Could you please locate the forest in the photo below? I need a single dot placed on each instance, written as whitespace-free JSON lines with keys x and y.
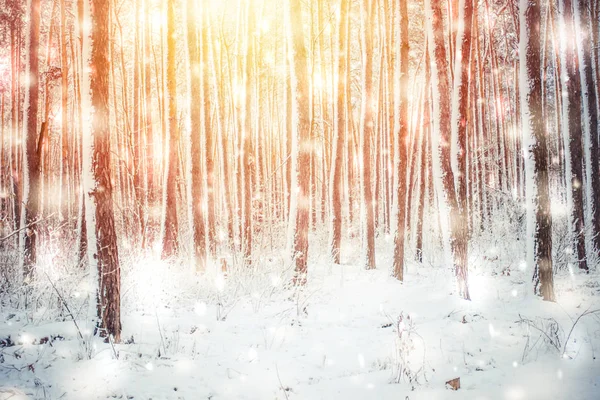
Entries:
{"x":299,"y":199}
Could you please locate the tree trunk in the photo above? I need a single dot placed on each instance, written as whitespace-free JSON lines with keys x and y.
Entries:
{"x":170,"y":244}
{"x":208,"y":134}
{"x":102,"y":238}
{"x":460,"y":126}
{"x":336,"y":181}
{"x":401,"y":142}
{"x":195,"y":104}
{"x":572,"y":131}
{"x":246,"y":142}
{"x":539,"y":217}
{"x":448,"y":205}
{"x":590,"y":121}
{"x":366,"y":136}
{"x":300,"y":202}
{"x":66,"y":154}
{"x":31,"y":184}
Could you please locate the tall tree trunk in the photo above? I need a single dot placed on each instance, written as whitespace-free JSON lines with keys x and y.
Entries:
{"x":246,"y":141}
{"x":460,"y":126}
{"x":195,"y":104}
{"x":426,"y":132}
{"x":590,"y":122}
{"x":31,"y":166}
{"x":448,"y":205}
{"x":65,"y":164}
{"x":137,"y":137}
{"x":170,"y":244}
{"x":208,"y":133}
{"x":366,"y":135}
{"x":572,"y":131}
{"x":300,"y":202}
{"x":336,"y":182}
{"x":401,"y":142}
{"x":150,"y":162}
{"x":103,"y":254}
{"x":539,"y":217}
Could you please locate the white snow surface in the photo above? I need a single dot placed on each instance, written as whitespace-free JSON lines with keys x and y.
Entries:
{"x":337,"y":338}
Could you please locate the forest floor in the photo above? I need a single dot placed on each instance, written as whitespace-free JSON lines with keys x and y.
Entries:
{"x":340,"y":337}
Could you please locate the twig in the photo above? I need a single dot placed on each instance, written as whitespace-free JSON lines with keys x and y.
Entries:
{"x":586,"y":312}
{"x":160,"y":332}
{"x":112,"y":344}
{"x":281,"y":384}
{"x":63,"y":301}
{"x":530,"y":323}
{"x":25,"y":227}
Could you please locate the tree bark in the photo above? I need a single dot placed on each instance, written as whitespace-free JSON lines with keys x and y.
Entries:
{"x":195,"y":104}
{"x":336,"y":182}
{"x":460,"y":126}
{"x":366,"y":136}
{"x":170,"y":244}
{"x":300,"y":188}
{"x":401,"y":142}
{"x":590,"y":121}
{"x":539,"y":217}
{"x":31,"y":185}
{"x":448,"y":201}
{"x":102,"y":238}
{"x":572,"y":131}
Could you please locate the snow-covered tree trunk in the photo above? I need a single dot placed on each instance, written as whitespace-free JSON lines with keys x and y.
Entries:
{"x":335,"y":181}
{"x":65,"y":165}
{"x":223,"y":142}
{"x":195,"y":104}
{"x":460,"y":126}
{"x":299,"y":218}
{"x":453,"y":233}
{"x":572,"y":130}
{"x":15,"y":182}
{"x":150,"y":179}
{"x":247,"y":161}
{"x":366,"y":136}
{"x":103,"y":257}
{"x":170,"y":241}
{"x":590,"y":121}
{"x":539,"y":217}
{"x":424,"y":163}
{"x":208,"y":134}
{"x":138,"y":137}
{"x":31,"y":154}
{"x":402,"y":136}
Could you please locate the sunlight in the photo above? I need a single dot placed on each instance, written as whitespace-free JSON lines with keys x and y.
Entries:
{"x":265,"y":25}
{"x":318,"y":82}
{"x":558,"y":208}
{"x":230,"y":217}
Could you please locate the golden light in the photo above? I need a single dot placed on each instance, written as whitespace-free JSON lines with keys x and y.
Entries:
{"x":318,"y":81}
{"x":265,"y":25}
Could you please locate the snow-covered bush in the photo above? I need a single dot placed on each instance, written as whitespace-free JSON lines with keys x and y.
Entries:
{"x":409,"y":354}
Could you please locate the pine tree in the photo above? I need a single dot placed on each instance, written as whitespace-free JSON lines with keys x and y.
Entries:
{"x":336,"y":183}
{"x":590,"y":121}
{"x":572,"y":130}
{"x":170,"y":244}
{"x":401,"y":140}
{"x":299,"y":218}
{"x":367,"y":135}
{"x":103,"y":255}
{"x":539,"y":217}
{"x":195,"y":105}
{"x":33,"y":142}
{"x":449,"y":207}
{"x":460,"y":126}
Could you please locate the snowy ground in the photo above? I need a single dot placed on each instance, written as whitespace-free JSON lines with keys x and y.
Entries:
{"x":338,"y":338}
